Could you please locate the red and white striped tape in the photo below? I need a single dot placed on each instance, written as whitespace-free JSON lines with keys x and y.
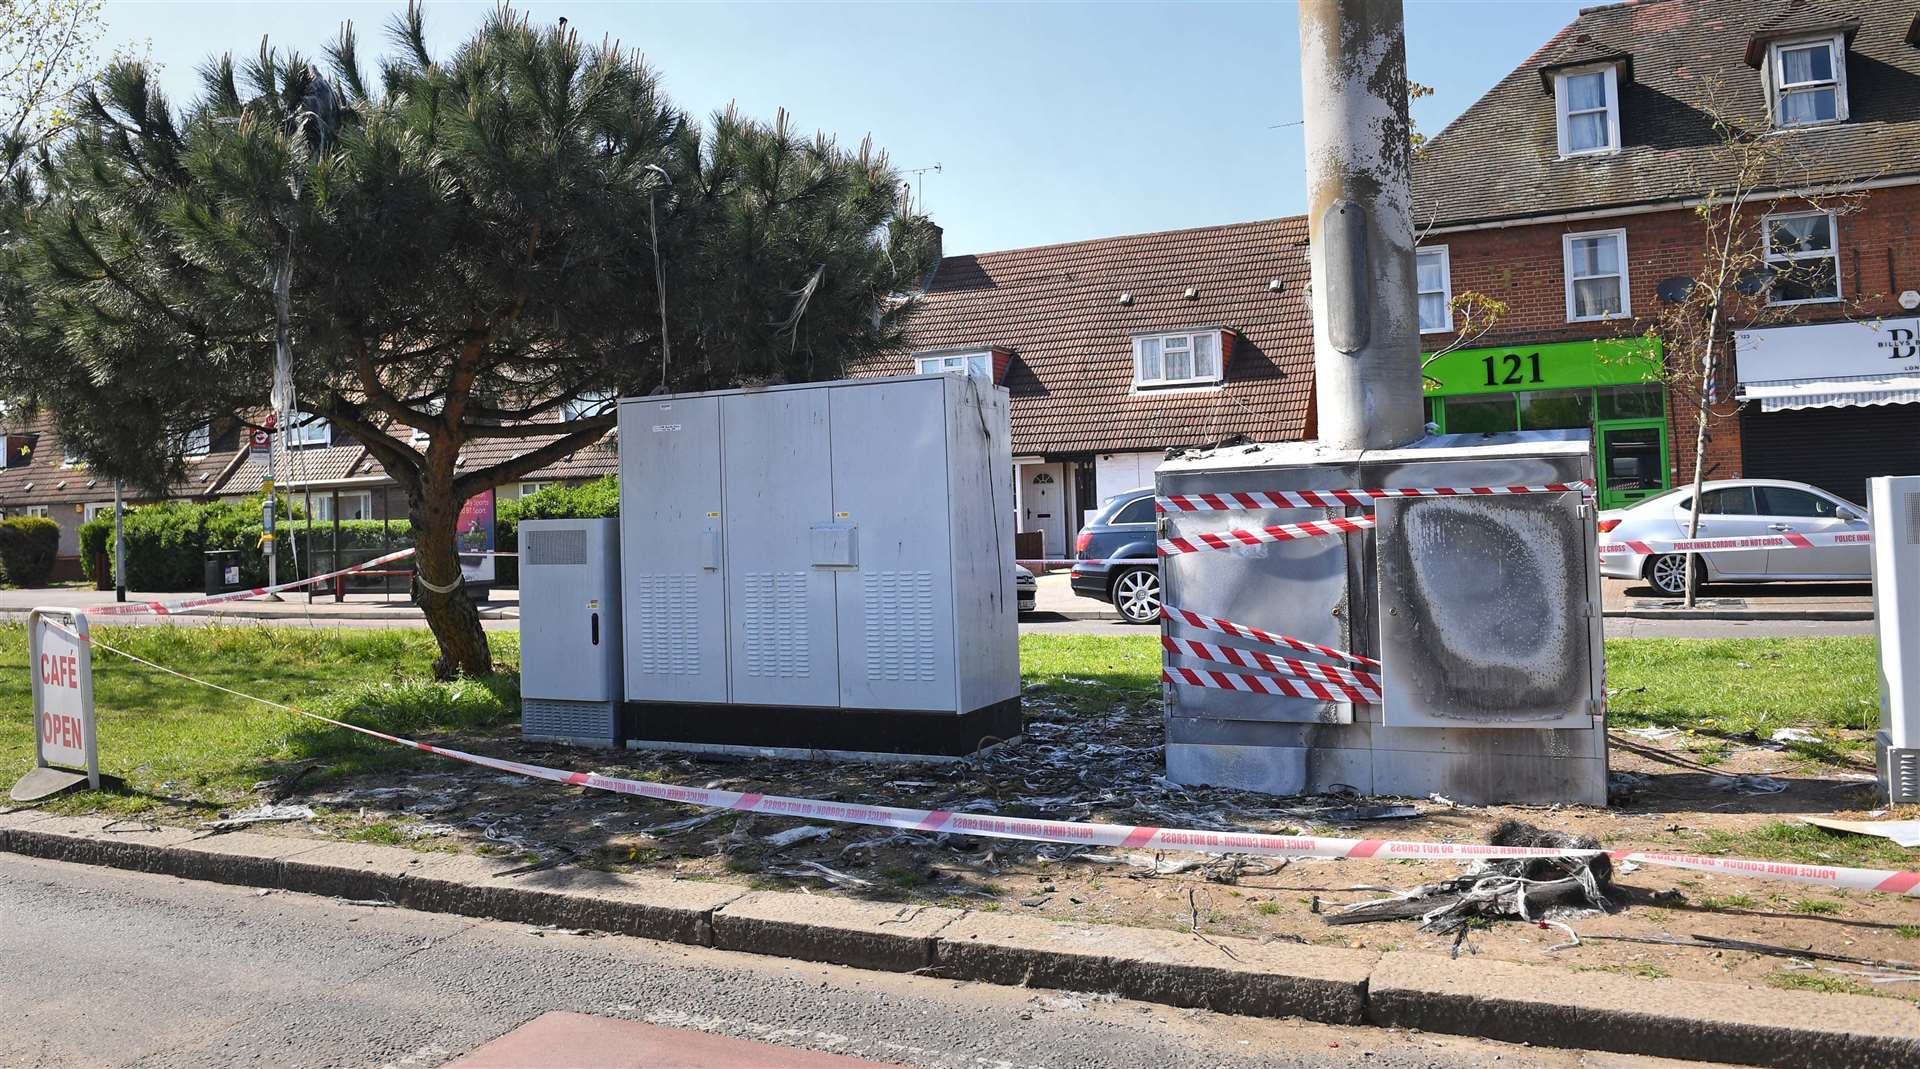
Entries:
{"x":1312,"y":499}
{"x":1788,"y":540}
{"x":1278,"y":686}
{"x":1284,"y":532}
{"x":167,"y":608}
{"x":1286,"y":666}
{"x":1228,"y":627}
{"x":1076,"y":833}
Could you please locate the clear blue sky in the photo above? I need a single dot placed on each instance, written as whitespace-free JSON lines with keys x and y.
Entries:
{"x":1053,"y":122}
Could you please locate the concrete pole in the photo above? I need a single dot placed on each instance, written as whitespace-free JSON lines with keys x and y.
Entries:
{"x":1366,"y":326}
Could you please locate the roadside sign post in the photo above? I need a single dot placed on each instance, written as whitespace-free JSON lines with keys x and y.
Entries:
{"x":60,"y":655}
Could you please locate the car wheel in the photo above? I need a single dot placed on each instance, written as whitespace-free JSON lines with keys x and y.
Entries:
{"x":1668,"y":574}
{"x":1136,"y":593}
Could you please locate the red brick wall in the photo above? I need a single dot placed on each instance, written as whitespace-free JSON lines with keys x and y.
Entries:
{"x":1522,"y":266}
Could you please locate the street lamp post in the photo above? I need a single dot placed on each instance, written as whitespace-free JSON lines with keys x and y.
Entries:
{"x":659,"y":279}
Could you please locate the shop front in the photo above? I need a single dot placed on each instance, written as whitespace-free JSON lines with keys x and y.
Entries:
{"x":1831,"y":404}
{"x":1610,"y":388}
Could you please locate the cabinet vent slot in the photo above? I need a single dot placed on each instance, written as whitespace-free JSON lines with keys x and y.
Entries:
{"x":666,"y":635}
{"x":899,"y":626}
{"x":776,"y":625}
{"x":1913,"y":519}
{"x":556,"y":547}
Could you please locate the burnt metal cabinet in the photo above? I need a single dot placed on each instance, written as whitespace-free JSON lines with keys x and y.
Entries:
{"x":821,"y":567}
{"x":1485,"y":611}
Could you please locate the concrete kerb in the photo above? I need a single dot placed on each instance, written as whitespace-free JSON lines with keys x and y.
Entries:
{"x":1496,"y":1000}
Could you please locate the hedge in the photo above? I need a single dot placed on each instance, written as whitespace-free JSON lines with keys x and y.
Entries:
{"x":28,"y":545}
{"x":167,"y":543}
{"x":594,"y":500}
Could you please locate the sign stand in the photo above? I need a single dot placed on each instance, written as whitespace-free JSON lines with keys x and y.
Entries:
{"x":61,"y":661}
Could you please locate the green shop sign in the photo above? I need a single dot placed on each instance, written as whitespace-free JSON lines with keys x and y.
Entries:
{"x":1553,"y":366}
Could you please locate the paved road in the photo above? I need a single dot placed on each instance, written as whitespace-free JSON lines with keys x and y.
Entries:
{"x":127,"y":969}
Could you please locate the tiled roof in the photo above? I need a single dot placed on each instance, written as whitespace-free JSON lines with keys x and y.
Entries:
{"x":1500,"y":160}
{"x":1058,"y":307}
{"x":46,"y":479}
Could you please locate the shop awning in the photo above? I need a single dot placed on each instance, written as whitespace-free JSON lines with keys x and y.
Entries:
{"x":1834,"y":393}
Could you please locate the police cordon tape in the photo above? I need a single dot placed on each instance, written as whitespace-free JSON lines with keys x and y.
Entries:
{"x":1237,"y":501}
{"x":1228,"y":627}
{"x":1078,"y":833}
{"x":167,"y":608}
{"x":1363,"y":684}
{"x":1787,"y":540}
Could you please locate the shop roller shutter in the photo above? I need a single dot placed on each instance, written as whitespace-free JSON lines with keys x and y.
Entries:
{"x":1836,"y":449}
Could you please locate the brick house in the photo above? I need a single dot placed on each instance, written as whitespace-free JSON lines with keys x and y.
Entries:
{"x":1116,"y":349}
{"x":1568,"y":191}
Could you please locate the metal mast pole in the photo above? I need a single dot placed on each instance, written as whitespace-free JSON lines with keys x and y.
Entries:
{"x":1366,"y":340}
{"x":119,"y":542}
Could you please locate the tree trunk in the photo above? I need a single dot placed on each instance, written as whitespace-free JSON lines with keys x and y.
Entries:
{"x":450,"y":613}
{"x":1700,"y":451}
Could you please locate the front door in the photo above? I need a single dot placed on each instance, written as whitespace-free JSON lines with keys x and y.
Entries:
{"x":1633,"y":462}
{"x":1043,"y":504}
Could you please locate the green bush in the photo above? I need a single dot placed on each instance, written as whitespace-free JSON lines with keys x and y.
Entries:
{"x":28,"y":545}
{"x":595,"y":500}
{"x":167,"y":543}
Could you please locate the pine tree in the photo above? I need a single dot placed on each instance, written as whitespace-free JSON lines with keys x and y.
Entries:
{"x":459,"y":248}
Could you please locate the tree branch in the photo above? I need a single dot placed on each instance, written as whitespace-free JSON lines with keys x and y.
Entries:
{"x":508,"y":470}
{"x":538,"y":430}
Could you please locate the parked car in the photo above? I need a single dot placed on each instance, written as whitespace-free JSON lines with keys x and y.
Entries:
{"x":1026,"y":591}
{"x":1123,"y":528}
{"x":1738,"y":508}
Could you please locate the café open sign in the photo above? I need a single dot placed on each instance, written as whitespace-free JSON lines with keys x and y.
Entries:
{"x":63,"y":692}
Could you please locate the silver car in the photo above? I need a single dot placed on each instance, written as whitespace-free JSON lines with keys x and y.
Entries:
{"x":1738,"y":508}
{"x":1026,"y":590}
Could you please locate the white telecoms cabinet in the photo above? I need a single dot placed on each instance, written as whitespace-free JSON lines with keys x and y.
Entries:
{"x":1894,"y":503}
{"x":570,"y":630}
{"x":820,"y":567}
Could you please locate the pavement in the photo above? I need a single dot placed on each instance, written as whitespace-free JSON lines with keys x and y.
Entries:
{"x":194,"y":973}
{"x":109,"y":967}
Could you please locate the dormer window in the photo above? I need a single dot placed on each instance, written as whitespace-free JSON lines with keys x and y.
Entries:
{"x":1807,"y":81}
{"x":955,"y":363}
{"x":1587,"y":100}
{"x":1185,"y":359}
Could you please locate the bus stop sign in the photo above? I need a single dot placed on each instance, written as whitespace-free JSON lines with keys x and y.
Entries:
{"x":65,"y":751}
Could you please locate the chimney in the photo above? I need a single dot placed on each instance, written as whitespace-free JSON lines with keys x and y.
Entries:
{"x":1366,"y":340}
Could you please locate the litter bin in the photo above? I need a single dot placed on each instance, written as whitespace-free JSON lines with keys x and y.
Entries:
{"x":223,"y":571}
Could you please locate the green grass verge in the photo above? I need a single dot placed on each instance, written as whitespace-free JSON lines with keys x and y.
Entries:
{"x":172,"y":739}
{"x":1728,"y":685}
{"x":168,"y":738}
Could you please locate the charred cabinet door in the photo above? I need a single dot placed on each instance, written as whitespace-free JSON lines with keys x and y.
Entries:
{"x":896,"y":603}
{"x":780,"y":634}
{"x":673,"y":594}
{"x":1484,"y":617}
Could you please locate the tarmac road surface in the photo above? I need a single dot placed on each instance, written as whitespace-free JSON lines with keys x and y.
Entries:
{"x":103,"y":967}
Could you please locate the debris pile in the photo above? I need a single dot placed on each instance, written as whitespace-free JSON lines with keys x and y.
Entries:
{"x":1535,"y":890}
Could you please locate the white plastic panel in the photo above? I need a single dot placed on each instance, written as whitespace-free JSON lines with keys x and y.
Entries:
{"x":672,"y":583}
{"x":1893,"y":503}
{"x":890,"y":479}
{"x":780,"y":632}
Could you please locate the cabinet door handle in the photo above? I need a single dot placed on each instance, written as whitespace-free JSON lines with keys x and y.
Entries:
{"x":1779,"y":527}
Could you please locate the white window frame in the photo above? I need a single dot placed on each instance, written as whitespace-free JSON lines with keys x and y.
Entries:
{"x":1562,"y":116}
{"x":1186,"y":337}
{"x":1778,"y":90}
{"x":975,"y":363}
{"x":1566,"y":271}
{"x":1832,"y":253}
{"x":1445,"y":290}
{"x":529,"y":488}
{"x":69,"y":458}
{"x":581,"y":406}
{"x":197,"y":442}
{"x":304,"y":430}
{"x":33,"y":510}
{"x":95,"y":509}
{"x":323,"y":503}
